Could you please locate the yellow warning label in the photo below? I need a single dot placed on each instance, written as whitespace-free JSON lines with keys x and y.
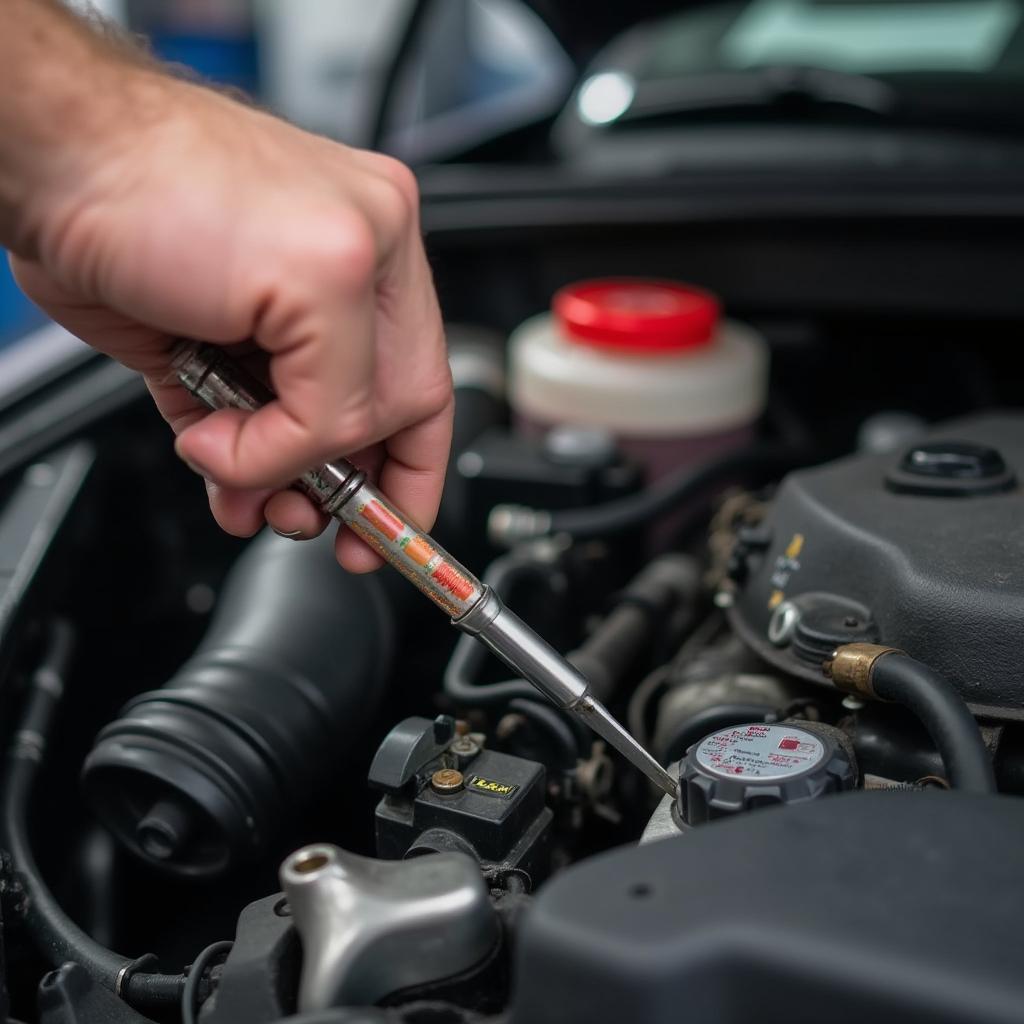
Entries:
{"x":478,"y":782}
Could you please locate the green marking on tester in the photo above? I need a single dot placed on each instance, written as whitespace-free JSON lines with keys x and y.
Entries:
{"x":482,"y":785}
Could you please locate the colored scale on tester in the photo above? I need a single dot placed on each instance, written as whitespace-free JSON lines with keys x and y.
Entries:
{"x":416,"y":549}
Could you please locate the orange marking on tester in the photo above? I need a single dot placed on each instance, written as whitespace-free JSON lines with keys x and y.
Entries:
{"x":376,"y":514}
{"x":419,"y":550}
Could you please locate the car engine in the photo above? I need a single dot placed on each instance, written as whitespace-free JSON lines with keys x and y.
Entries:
{"x":299,"y":773}
{"x":243,"y":785}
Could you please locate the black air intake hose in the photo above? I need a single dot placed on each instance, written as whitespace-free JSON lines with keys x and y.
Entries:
{"x":201,"y":773}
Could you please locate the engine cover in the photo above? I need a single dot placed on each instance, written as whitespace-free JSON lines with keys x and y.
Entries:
{"x":861,"y":907}
{"x":922,"y":550}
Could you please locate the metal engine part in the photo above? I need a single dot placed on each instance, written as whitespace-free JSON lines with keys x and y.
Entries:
{"x":913,"y":549}
{"x":371,"y":927}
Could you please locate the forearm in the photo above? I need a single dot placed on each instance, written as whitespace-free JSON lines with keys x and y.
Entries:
{"x":65,"y":92}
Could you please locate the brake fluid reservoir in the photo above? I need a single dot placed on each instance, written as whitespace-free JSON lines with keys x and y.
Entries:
{"x":652,"y":361}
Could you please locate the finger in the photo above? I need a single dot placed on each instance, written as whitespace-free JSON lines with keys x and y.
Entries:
{"x":353,"y":554}
{"x":412,"y":475}
{"x":321,"y":340}
{"x":293,"y":515}
{"x":239,"y":513}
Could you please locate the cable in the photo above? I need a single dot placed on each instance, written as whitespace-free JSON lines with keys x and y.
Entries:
{"x":59,"y":939}
{"x":56,"y":936}
{"x":201,"y":964}
{"x":757,"y":464}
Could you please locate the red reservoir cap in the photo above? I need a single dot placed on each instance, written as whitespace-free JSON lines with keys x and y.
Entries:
{"x":636,"y":315}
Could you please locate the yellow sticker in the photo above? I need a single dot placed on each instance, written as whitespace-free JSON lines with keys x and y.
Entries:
{"x":796,"y":545}
{"x":776,"y":599}
{"x":505,"y":789}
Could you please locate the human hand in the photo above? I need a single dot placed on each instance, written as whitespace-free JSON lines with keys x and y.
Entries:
{"x":192,"y":215}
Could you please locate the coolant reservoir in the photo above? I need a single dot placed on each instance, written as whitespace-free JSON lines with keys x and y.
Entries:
{"x":652,"y":361}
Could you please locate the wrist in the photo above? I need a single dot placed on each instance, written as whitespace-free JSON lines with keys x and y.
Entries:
{"x":84,"y":99}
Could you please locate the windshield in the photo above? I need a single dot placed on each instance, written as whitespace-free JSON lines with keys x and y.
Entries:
{"x":977,"y":37}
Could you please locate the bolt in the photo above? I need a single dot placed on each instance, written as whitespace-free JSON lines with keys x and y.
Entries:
{"x":165,"y":830}
{"x":447,"y":781}
{"x":465,"y":746}
{"x":852,"y":703}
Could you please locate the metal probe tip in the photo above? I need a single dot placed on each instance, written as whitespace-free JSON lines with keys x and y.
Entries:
{"x":504,"y":633}
{"x":597,"y":716}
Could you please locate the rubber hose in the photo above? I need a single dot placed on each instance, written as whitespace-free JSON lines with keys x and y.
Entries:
{"x":201,"y":774}
{"x":941,"y":710}
{"x":552,"y":723}
{"x":755,"y":465}
{"x":605,"y":655}
{"x":470,"y":656}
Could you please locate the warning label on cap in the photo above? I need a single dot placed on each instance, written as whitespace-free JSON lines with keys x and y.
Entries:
{"x":760,"y":752}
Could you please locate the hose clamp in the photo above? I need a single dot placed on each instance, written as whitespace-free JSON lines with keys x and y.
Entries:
{"x":851,"y":667}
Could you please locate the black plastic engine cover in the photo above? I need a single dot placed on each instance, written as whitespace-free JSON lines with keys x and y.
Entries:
{"x":861,"y":907}
{"x":929,"y":563}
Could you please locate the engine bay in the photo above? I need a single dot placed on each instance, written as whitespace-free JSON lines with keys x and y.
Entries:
{"x":283,"y":792}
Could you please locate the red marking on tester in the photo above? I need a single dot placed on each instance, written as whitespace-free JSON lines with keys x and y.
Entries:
{"x":453,"y":581}
{"x":382,"y":519}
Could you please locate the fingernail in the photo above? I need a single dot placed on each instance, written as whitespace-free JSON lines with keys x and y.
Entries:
{"x":290,"y":535}
{"x":194,"y":466}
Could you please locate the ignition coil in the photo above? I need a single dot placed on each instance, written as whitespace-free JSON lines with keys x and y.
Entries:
{"x":446,"y":792}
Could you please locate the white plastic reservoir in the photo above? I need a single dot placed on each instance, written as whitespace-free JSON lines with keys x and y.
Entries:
{"x":654,"y":362}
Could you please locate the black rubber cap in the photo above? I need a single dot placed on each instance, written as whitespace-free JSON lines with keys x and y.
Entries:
{"x":951,"y":469}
